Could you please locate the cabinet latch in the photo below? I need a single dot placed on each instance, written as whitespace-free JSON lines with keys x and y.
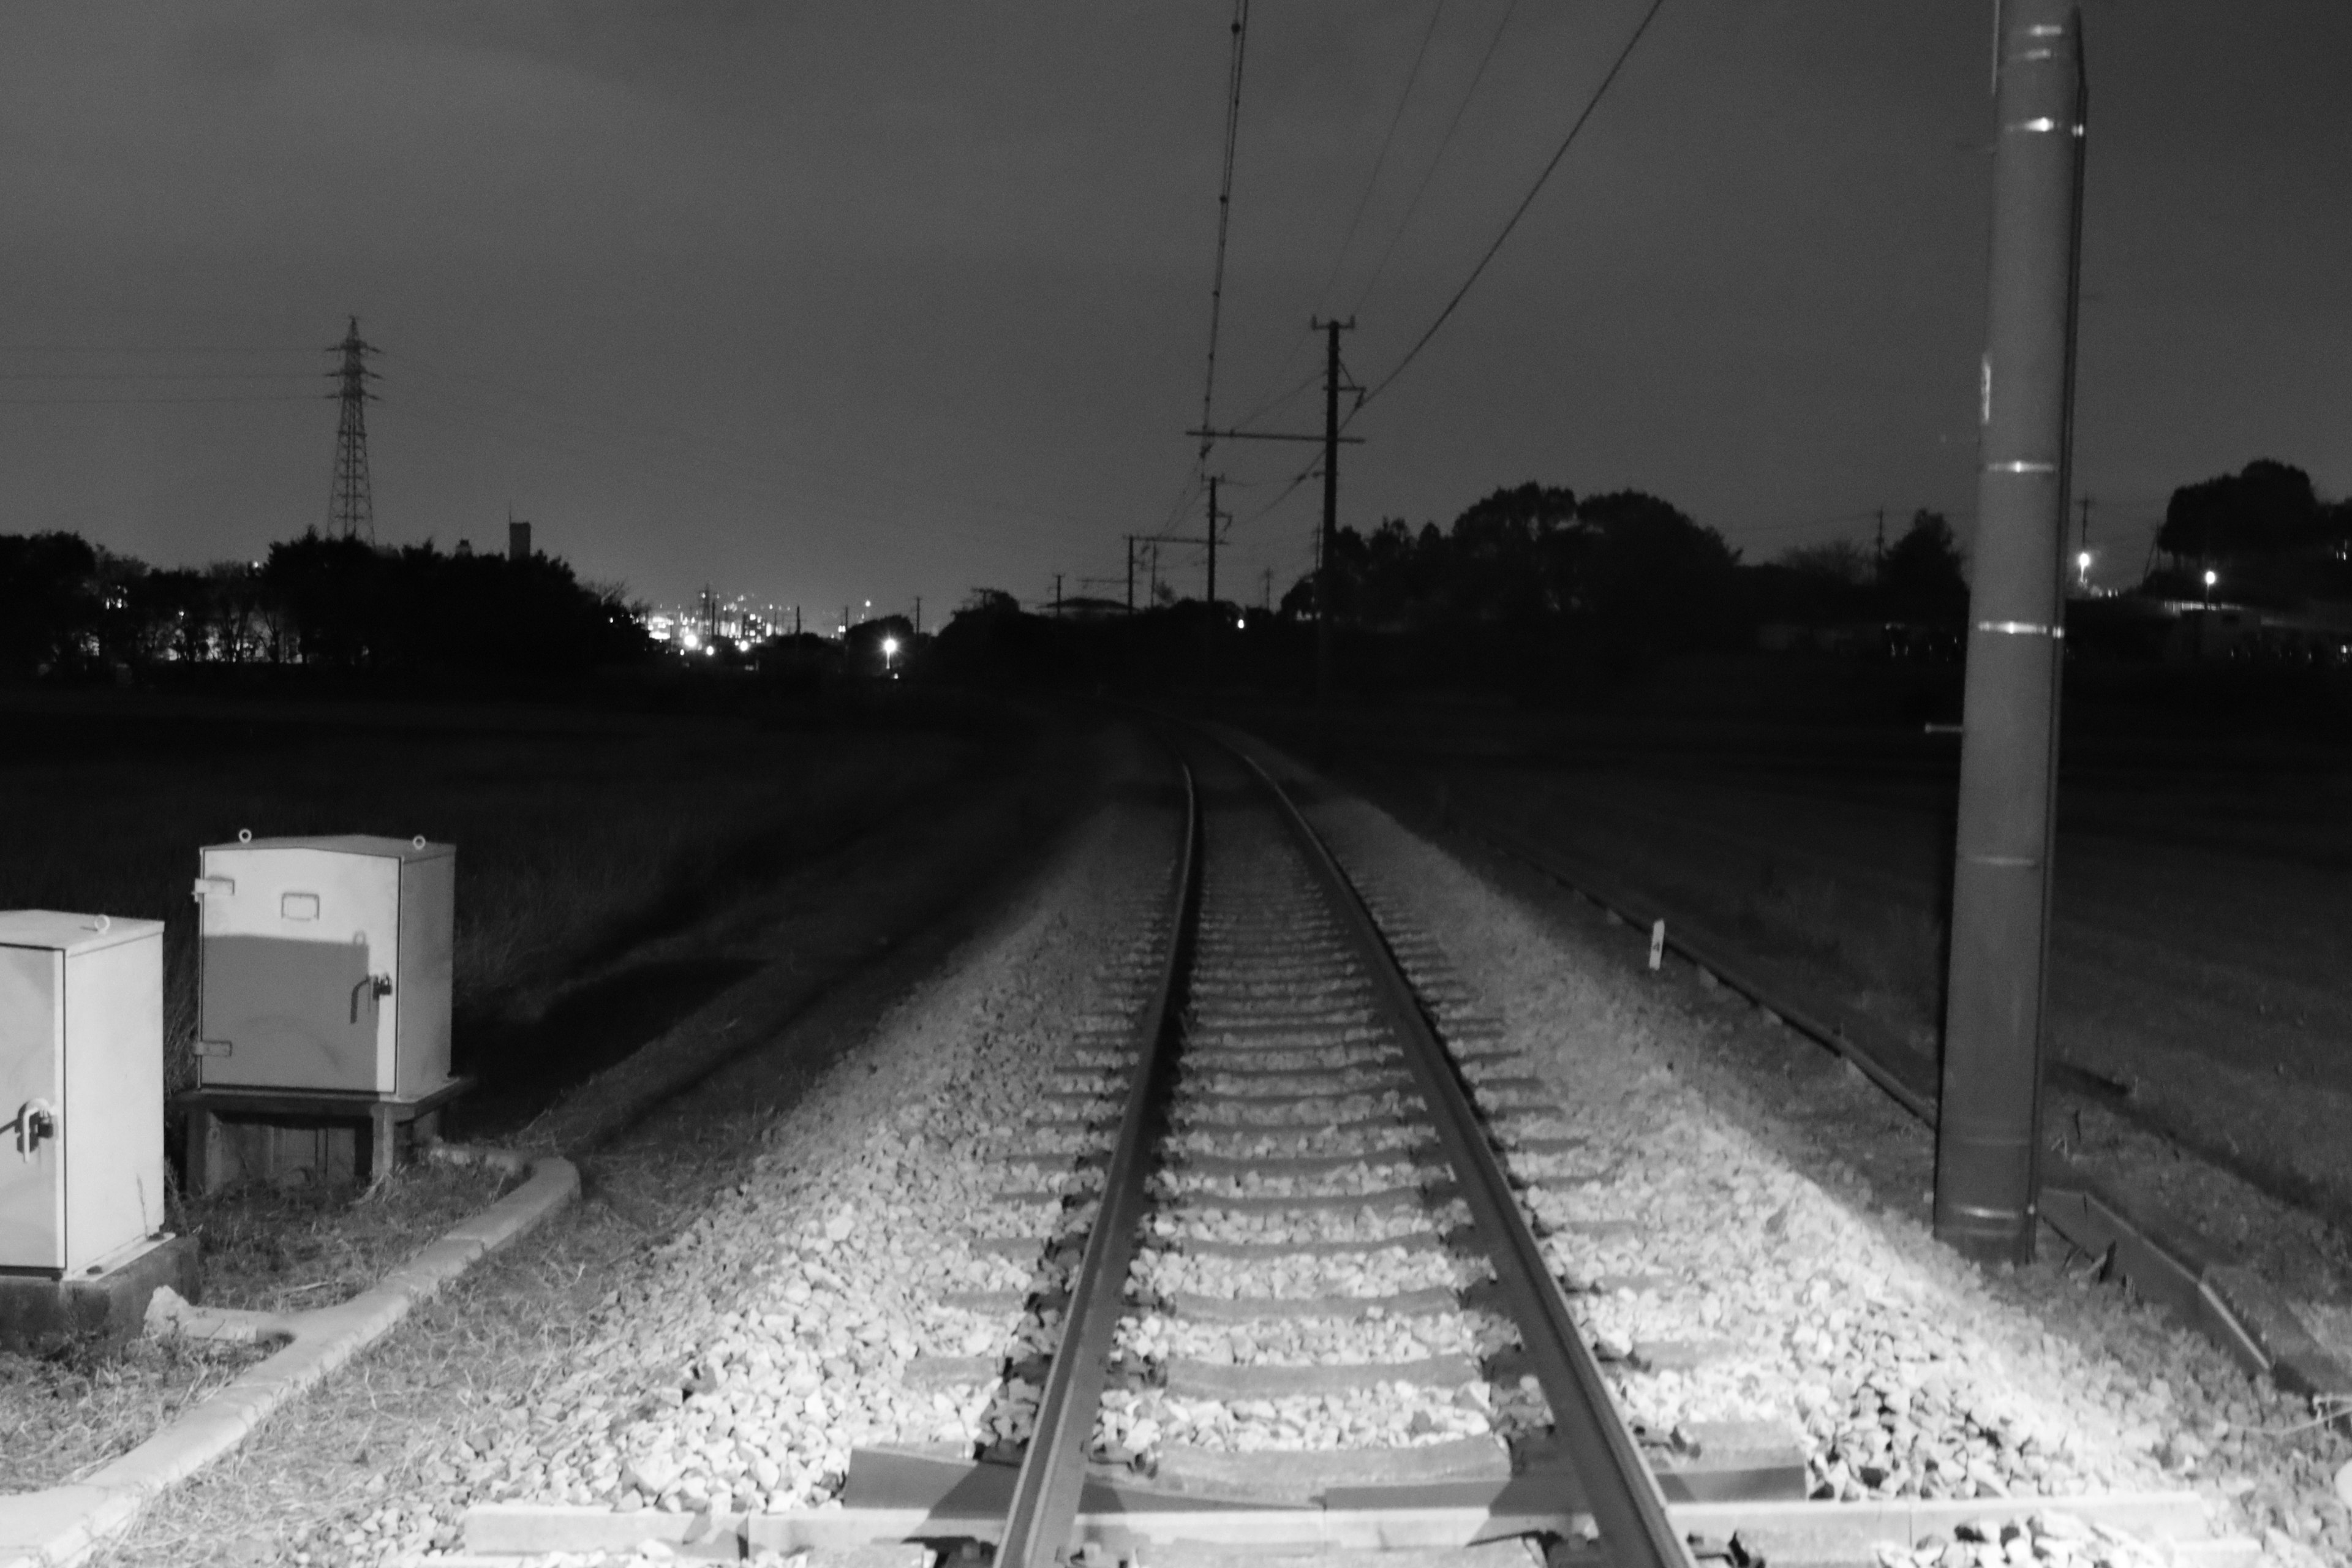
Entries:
{"x":377,"y":985}
{"x":36,"y":1119}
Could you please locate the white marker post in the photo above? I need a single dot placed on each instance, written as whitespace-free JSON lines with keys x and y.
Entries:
{"x":1658,"y":945}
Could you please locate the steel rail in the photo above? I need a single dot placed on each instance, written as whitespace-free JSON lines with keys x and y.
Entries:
{"x":1621,"y":1490}
{"x":1046,"y":1493}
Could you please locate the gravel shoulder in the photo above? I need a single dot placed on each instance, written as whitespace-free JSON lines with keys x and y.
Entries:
{"x":1782,"y":1206}
{"x":522,"y":1367}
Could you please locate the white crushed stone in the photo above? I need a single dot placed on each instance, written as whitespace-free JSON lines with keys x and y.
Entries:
{"x":1907,"y":1371}
{"x":778,"y":1329}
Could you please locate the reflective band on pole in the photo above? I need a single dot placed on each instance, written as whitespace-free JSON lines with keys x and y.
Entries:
{"x":2021,"y":628}
{"x":2021,"y":468}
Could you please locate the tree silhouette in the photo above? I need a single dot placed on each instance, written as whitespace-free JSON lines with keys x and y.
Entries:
{"x":1921,"y":579}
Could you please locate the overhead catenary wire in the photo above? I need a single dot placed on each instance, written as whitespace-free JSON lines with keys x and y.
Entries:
{"x":1380,"y":158}
{"x":1363,"y":201}
{"x":1225,"y":217}
{"x":1412,"y":207}
{"x":1566,"y":142}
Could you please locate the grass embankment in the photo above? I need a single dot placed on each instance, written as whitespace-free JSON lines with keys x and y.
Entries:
{"x":580,"y":836}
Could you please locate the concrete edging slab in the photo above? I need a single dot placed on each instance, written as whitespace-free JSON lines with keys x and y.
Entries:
{"x":62,"y":1525}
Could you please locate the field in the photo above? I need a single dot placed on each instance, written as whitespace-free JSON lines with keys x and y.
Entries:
{"x":2202,"y":950}
{"x":579,"y":833}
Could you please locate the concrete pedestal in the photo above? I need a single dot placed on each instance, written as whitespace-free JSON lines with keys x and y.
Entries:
{"x":40,"y":1315}
{"x":269,"y":1134}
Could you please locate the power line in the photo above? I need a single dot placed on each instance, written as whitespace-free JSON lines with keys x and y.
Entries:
{"x":1524,"y":201}
{"x":147,"y":349}
{"x":1444,"y":143}
{"x":1339,"y":257}
{"x":1380,"y":158}
{"x":1225,"y":211}
{"x":154,"y":375}
{"x":132,"y":401}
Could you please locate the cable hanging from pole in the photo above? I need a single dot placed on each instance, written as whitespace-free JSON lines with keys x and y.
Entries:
{"x":1224,"y":215}
{"x":1526,"y":201}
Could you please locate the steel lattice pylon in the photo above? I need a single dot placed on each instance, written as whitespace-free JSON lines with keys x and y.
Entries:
{"x":351,"y":510}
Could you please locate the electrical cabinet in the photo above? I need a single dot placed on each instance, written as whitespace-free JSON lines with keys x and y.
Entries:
{"x":82,"y":1081}
{"x":324,"y":964}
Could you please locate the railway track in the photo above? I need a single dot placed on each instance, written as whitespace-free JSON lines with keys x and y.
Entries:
{"x":1235,"y":1237}
{"x":1305,"y":1216}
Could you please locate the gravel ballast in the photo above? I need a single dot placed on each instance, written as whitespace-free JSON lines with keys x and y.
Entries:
{"x":1733,"y":1265}
{"x":811,"y":1310}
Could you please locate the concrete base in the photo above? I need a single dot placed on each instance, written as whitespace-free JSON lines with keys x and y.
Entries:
{"x":307,"y":1136}
{"x":38,"y":1316}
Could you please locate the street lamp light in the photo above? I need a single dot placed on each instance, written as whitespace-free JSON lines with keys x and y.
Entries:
{"x":2082,"y":566}
{"x":889,"y":651}
{"x":2211,"y":577}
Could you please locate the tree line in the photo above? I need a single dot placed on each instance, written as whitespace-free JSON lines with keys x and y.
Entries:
{"x":1530,"y":585}
{"x":69,"y":608}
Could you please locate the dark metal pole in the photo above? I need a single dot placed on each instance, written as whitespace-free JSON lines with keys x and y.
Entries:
{"x":1212,"y":548}
{"x":1987,"y":1132}
{"x":1323,"y":566}
{"x":1131,"y":573}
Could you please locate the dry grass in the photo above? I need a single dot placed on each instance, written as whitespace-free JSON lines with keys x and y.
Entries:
{"x":575,"y":838}
{"x":295,"y":1248}
{"x":1881,"y":955}
{"x":63,"y":1416}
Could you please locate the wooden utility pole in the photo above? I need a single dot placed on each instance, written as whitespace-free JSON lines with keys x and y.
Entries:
{"x":1988,"y":1131}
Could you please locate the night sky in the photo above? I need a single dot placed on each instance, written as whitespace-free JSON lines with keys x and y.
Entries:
{"x":824,"y":304}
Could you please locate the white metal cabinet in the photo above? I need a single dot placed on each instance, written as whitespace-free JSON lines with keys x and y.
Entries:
{"x":81,"y":1089}
{"x":325,"y":964}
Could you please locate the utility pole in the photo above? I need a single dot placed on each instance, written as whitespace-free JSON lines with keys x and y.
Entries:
{"x":1988,"y":1130}
{"x":1326,"y":572}
{"x":1878,"y":553}
{"x":796,"y":620}
{"x":1265,"y":591}
{"x":1131,"y":573}
{"x":1332,"y":441}
{"x":1058,"y":594}
{"x":845,"y":626}
{"x":351,"y":511}
{"x":1213,"y":544}
{"x":918,"y":614}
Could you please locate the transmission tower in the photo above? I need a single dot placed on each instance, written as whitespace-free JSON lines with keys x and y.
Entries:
{"x":352,"y":511}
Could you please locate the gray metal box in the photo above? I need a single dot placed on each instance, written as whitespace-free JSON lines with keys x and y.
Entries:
{"x":325,"y":964}
{"x":81,"y":1087}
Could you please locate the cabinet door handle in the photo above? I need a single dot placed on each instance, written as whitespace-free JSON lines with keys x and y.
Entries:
{"x":36,"y":1119}
{"x":369,"y":985}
